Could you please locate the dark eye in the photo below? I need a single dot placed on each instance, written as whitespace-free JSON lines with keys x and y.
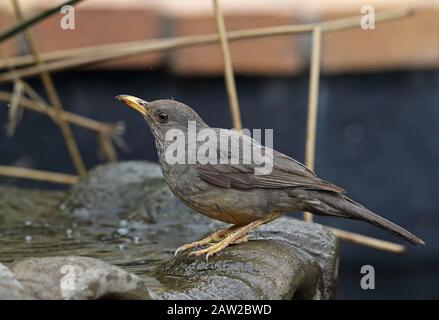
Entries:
{"x":162,"y":116}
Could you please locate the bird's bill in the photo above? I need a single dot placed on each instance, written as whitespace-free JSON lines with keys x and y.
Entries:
{"x":133,"y":102}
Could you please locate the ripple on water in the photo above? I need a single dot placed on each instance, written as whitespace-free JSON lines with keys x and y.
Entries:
{"x":41,"y":238}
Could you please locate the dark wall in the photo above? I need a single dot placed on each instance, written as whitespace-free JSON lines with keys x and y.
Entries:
{"x":378,"y":137}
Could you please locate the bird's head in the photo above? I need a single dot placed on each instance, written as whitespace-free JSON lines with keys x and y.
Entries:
{"x":163,"y":115}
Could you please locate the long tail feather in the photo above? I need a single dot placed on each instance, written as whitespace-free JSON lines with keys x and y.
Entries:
{"x":353,"y":210}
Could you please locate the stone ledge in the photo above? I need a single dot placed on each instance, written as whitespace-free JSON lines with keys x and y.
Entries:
{"x":287,"y":259}
{"x":10,"y":287}
{"x":259,"y":269}
{"x":76,"y":278}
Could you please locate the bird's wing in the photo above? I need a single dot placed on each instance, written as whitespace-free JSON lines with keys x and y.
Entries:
{"x":286,"y":173}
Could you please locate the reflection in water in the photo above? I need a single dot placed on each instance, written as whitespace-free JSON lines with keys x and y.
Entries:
{"x":32,"y":225}
{"x":94,"y":240}
{"x":33,"y":229}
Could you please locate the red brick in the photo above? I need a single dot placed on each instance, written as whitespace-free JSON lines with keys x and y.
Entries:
{"x":101,"y":22}
{"x":411,"y":42}
{"x":8,"y":47}
{"x":278,"y":55}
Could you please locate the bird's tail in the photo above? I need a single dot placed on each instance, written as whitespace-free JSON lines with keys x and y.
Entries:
{"x":353,"y":210}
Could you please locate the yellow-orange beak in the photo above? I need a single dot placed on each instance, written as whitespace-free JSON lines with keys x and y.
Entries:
{"x":133,"y":102}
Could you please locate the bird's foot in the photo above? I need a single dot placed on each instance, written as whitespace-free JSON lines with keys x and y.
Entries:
{"x":233,"y":235}
{"x":213,"y":238}
{"x":219,"y":246}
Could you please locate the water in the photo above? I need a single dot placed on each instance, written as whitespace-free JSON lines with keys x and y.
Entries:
{"x":30,"y":227}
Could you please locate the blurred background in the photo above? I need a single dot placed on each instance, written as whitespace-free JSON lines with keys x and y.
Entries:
{"x":378,"y":121}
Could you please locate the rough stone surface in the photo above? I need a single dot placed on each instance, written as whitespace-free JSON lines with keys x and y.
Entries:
{"x":18,"y":204}
{"x":74,"y":278}
{"x":314,"y":239}
{"x":10,"y":288}
{"x":289,"y":259}
{"x":115,"y":189}
{"x":252,"y":270}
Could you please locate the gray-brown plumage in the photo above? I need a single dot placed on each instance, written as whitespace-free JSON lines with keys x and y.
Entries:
{"x":233,"y":193}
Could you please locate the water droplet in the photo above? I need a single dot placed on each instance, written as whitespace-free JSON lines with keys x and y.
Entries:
{"x":122,"y":231}
{"x":123,"y":223}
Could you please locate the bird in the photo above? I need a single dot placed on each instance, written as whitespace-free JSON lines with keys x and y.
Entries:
{"x":234,"y":192}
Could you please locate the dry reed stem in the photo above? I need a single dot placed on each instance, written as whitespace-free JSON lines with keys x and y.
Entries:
{"x":15,"y":112}
{"x":39,"y":175}
{"x":313,"y":99}
{"x":119,"y":50}
{"x":369,"y":241}
{"x":106,"y":147}
{"x":54,"y":99}
{"x":28,"y":22}
{"x":142,"y":47}
{"x":41,"y":107}
{"x":228,"y":67}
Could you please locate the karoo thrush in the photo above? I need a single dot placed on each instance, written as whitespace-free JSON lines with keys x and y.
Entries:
{"x":233,"y":192}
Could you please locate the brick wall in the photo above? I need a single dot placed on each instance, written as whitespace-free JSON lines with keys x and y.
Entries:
{"x":411,"y":42}
{"x":9,"y":47}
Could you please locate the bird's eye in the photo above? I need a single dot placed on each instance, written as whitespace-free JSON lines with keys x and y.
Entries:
{"x":162,"y":116}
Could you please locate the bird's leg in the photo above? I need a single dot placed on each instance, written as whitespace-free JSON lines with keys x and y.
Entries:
{"x":241,"y":239}
{"x":214,"y":237}
{"x":234,"y":237}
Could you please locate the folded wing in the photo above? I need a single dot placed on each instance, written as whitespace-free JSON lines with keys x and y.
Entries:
{"x":286,"y":172}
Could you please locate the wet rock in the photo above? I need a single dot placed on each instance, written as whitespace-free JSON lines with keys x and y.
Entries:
{"x":136,"y":224}
{"x":141,"y":195}
{"x":112,"y":189}
{"x":10,"y":288}
{"x":23,"y":204}
{"x":316,"y":240}
{"x":128,"y":190}
{"x":56,"y":278}
{"x":262,"y":269}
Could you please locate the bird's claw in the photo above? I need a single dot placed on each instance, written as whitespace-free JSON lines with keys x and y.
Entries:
{"x":186,"y":247}
{"x":217,"y":247}
{"x":204,"y":251}
{"x":209,"y":240}
{"x":189,"y":246}
{"x":217,"y":241}
{"x":212,"y":239}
